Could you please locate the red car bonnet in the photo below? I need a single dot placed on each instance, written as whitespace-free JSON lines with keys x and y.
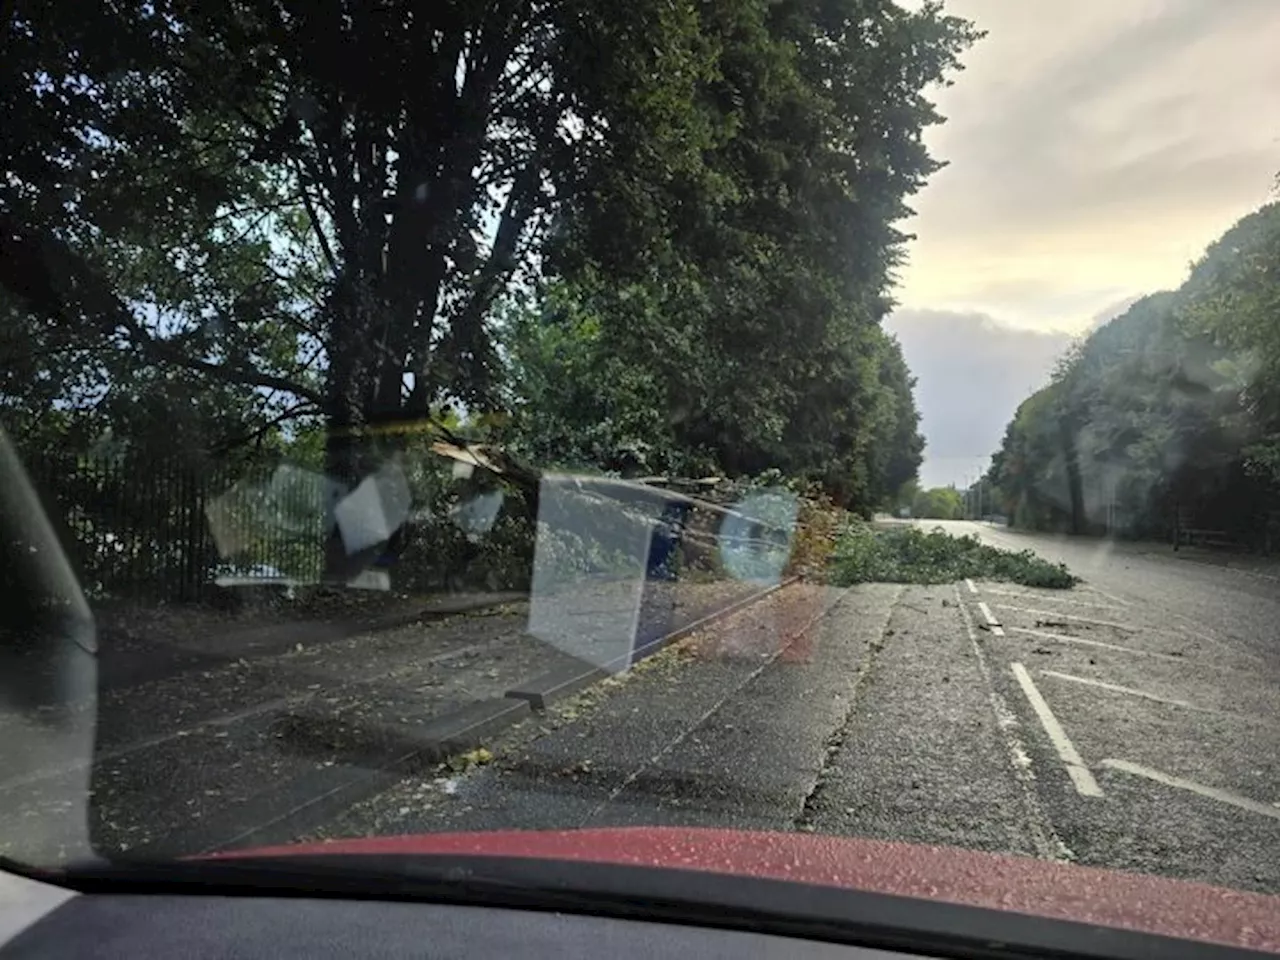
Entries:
{"x":1110,"y":898}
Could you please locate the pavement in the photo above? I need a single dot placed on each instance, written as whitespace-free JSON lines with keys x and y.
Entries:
{"x":210,"y":738}
{"x":1128,"y":723}
{"x":140,"y":646}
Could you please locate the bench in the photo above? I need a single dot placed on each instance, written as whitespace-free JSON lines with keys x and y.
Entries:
{"x":1187,"y":531}
{"x":1200,"y":536}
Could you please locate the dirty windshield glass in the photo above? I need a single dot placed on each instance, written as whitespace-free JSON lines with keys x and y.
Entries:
{"x":849,"y":418}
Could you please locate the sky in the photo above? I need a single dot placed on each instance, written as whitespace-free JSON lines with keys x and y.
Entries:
{"x":1094,"y":149}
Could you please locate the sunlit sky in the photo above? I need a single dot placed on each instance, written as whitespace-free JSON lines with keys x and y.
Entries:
{"x":1095,"y":148}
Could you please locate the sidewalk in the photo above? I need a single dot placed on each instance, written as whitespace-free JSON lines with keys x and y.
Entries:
{"x":173,"y":641}
{"x":1268,"y":568}
{"x":206,"y":739}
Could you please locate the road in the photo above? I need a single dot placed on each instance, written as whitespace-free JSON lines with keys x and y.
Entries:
{"x":1130,"y":723}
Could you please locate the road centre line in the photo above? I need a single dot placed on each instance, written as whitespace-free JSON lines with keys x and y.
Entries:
{"x":972,"y":589}
{"x":1058,"y":614}
{"x":1067,"y":638}
{"x":1083,"y":780}
{"x":992,"y":622}
{"x":1117,"y":688}
{"x":1213,"y":793}
{"x":1052,"y":598}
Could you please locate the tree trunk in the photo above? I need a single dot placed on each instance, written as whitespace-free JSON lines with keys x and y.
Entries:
{"x":346,"y":457}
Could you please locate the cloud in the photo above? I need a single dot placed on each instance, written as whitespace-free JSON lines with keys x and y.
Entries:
{"x":972,"y":372}
{"x":1105,"y":316}
{"x":1093,"y":153}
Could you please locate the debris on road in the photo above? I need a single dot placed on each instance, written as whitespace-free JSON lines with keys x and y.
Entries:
{"x":900,"y":554}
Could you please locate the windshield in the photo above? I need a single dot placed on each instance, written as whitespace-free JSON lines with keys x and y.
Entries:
{"x":846,"y":418}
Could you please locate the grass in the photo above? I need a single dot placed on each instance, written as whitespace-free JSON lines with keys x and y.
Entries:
{"x":910,"y":555}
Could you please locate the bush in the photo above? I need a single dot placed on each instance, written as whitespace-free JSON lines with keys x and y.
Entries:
{"x":910,"y":555}
{"x":939,"y":503}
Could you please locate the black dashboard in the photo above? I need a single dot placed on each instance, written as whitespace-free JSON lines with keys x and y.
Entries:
{"x":120,"y":926}
{"x":374,"y":906}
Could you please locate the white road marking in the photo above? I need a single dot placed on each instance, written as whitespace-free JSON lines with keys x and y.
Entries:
{"x":1085,"y":785}
{"x":1053,"y":598}
{"x":1059,"y":615}
{"x":992,"y":622}
{"x":1213,"y":793}
{"x":1117,"y":688}
{"x":1110,"y":596}
{"x":972,"y":589}
{"x":1083,"y":641}
{"x":1044,"y":839}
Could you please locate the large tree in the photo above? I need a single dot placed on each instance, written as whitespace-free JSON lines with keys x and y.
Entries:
{"x":327,"y":209}
{"x":755,"y":315}
{"x":1171,"y":406}
{"x":387,"y":167}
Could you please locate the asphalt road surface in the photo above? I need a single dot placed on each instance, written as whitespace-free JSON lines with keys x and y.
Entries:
{"x":1129,"y":723}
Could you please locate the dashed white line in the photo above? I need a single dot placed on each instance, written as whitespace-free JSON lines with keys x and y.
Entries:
{"x":969,"y":583}
{"x":1083,"y":780}
{"x":1213,"y":793}
{"x":1059,"y":615}
{"x":990,"y":617}
{"x":1084,"y":641}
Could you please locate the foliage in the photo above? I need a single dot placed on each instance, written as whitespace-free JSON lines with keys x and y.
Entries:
{"x":1232,"y":298}
{"x":938,"y":503}
{"x":655,"y":237}
{"x":817,"y":529}
{"x":911,"y":555}
{"x":746,"y":334}
{"x":1172,"y":405}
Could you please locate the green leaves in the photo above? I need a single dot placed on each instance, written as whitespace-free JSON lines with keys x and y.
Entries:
{"x":649,"y":237}
{"x":764,"y":266}
{"x":910,"y":555}
{"x":938,"y":503}
{"x":1174,"y":405}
